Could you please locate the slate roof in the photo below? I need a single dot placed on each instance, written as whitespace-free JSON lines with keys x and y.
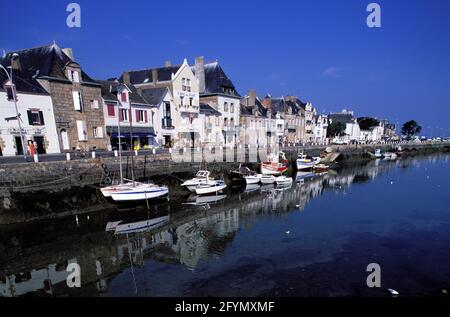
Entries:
{"x":46,"y":62}
{"x":208,"y":110}
{"x":341,"y":117}
{"x":154,"y":95}
{"x":109,"y":92}
{"x":216,"y":81}
{"x":249,"y":110}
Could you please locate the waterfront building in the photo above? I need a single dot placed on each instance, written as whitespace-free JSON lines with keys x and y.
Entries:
{"x":164,"y":114}
{"x":35,"y":109}
{"x":218,"y":91}
{"x":310,"y":112}
{"x":76,"y":98}
{"x":320,"y":129}
{"x":184,"y":89}
{"x":211,"y":128}
{"x":352,"y":130}
{"x":253,"y":121}
{"x":276,"y":108}
{"x":294,"y":120}
{"x":123,"y":104}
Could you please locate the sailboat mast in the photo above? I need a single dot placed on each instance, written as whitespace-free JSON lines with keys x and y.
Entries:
{"x":120,"y":141}
{"x":132,"y":147}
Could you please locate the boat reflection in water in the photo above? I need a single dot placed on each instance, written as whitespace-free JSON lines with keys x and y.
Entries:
{"x":178,"y":235}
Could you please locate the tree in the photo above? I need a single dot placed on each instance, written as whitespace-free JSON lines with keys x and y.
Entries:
{"x":411,"y":128}
{"x":365,"y":123}
{"x":336,"y":129}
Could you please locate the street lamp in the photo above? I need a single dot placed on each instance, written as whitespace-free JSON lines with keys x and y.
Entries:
{"x":11,"y":94}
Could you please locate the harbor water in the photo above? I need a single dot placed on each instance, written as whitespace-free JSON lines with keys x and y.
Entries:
{"x":314,"y":238}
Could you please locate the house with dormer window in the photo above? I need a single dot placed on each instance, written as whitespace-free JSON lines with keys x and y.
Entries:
{"x":184,"y":91}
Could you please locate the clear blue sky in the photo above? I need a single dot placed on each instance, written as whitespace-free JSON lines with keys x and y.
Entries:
{"x":320,"y":50}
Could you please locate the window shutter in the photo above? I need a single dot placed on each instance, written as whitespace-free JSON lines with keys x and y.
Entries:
{"x":69,"y":75}
{"x":30,"y":121}
{"x":76,"y":100}
{"x":130,"y":117}
{"x":138,"y":119}
{"x":145,"y":116}
{"x":41,"y":116}
{"x":81,"y":127}
{"x":111,"y":111}
{"x":120,"y":114}
{"x":100,"y":132}
{"x":76,"y":77}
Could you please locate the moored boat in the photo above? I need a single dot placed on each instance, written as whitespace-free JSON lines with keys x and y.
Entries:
{"x":283,"y":180}
{"x":267,"y":179}
{"x":202,"y":177}
{"x":253,"y":179}
{"x":140,"y":192}
{"x":320,"y":168}
{"x":276,"y":164}
{"x":306,"y":162}
{"x":211,"y":187}
{"x":139,"y":226}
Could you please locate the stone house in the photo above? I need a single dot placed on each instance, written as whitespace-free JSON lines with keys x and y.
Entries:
{"x":75,"y":96}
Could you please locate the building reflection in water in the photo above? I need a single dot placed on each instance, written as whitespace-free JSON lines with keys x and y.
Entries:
{"x":186,"y":240}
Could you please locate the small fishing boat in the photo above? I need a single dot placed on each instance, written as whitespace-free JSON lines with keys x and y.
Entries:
{"x":253,"y":179}
{"x":238,"y":176}
{"x":377,"y":153}
{"x":276,"y":164}
{"x":283,"y":180}
{"x":139,"y":226}
{"x":201,"y":177}
{"x":321,"y":168}
{"x":140,"y":192}
{"x":306,"y":162}
{"x":211,"y":187}
{"x":267,"y":179}
{"x":399,"y":151}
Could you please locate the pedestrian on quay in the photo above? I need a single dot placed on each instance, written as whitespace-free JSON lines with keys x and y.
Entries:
{"x":31,"y":148}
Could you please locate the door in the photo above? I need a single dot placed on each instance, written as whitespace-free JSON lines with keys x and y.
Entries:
{"x":40,"y":144}
{"x":19,"y":148}
{"x":192,"y":139}
{"x":65,"y":140}
{"x":167,"y":141}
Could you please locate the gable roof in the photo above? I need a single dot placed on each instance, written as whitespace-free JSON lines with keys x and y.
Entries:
{"x":154,"y":96}
{"x":43,"y":62}
{"x":110,"y":88}
{"x":216,"y":81}
{"x":146,"y":75}
{"x":208,"y":110}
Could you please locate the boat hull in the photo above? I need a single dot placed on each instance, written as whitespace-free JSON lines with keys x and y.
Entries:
{"x":138,"y":193}
{"x":210,"y":189}
{"x":307,"y":164}
{"x":254,"y":179}
{"x":272,"y":169}
{"x":267,"y":180}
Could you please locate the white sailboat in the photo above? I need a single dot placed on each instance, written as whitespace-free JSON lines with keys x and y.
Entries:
{"x":131,"y":190}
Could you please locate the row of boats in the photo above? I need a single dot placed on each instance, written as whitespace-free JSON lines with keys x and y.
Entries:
{"x":272,"y":171}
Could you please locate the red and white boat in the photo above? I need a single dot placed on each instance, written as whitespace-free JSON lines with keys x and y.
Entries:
{"x":276,"y":164}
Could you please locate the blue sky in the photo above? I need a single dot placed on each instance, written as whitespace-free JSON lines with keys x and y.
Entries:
{"x":320,"y":50}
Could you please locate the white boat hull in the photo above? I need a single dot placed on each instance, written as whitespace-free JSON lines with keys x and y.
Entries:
{"x":210,"y":189}
{"x":193,"y":183}
{"x":268,"y":180}
{"x":140,"y":226}
{"x":283,"y":180}
{"x":140,"y":193}
{"x":253,"y":179}
{"x":109,"y":190}
{"x":307,"y":164}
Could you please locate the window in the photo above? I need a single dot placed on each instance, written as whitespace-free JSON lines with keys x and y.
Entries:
{"x":94,"y":104}
{"x":182,"y":101}
{"x":185,"y":84}
{"x":232,"y":122}
{"x":10,"y":93}
{"x":167,"y":110}
{"x":73,"y":76}
{"x":98,"y":132}
{"x":141,"y":116}
{"x":232,"y":108}
{"x":35,"y":117}
{"x":111,"y":110}
{"x":190,"y":101}
{"x":82,"y":131}
{"x":225,"y":122}
{"x":123,"y":97}
{"x":225,"y":107}
{"x":78,"y":100}
{"x":123,"y":114}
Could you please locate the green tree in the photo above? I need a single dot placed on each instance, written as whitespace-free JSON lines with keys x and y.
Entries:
{"x":336,"y":129}
{"x":411,"y":128}
{"x":365,"y":123}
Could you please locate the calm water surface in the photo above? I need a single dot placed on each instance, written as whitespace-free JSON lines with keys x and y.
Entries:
{"x":313,"y":239}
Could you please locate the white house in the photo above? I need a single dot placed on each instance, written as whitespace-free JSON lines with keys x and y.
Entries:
{"x":320,"y":129}
{"x":352,"y":130}
{"x":37,"y":119}
{"x":211,"y":128}
{"x":122,"y":104}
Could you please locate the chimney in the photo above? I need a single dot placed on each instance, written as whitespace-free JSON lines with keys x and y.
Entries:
{"x":69,"y":52}
{"x":126,"y":78}
{"x":167,"y":63}
{"x":154,"y":75}
{"x":251,"y":98}
{"x":200,"y":73}
{"x":267,"y":101}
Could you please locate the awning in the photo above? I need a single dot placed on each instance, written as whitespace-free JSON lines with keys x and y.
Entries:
{"x":138,"y":132}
